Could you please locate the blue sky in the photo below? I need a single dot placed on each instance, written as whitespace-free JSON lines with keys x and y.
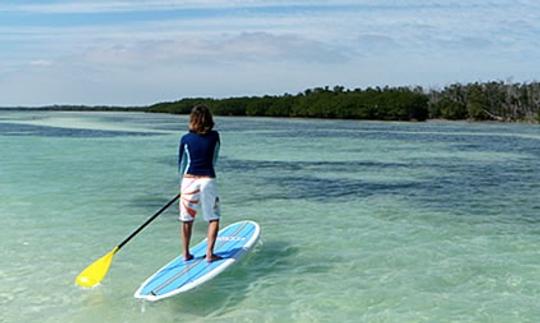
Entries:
{"x":140,"y":52}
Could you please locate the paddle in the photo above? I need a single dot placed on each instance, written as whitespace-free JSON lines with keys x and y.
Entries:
{"x":95,"y":272}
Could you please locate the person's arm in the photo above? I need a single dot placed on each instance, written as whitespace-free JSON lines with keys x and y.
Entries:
{"x":182,"y":158}
{"x":216,"y":151}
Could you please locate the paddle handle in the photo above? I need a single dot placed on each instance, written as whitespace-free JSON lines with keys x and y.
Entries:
{"x":150,"y":219}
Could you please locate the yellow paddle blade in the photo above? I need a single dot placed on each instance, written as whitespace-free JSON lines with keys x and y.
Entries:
{"x":93,"y":274}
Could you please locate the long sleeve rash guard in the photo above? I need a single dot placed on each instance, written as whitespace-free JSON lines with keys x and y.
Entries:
{"x":198,"y":153}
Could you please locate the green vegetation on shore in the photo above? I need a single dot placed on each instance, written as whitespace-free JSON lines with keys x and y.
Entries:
{"x":371,"y":104}
{"x":474,"y":101}
{"x":487,"y":101}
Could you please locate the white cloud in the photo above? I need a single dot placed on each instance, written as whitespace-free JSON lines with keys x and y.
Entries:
{"x":41,"y":63}
{"x":102,"y":6}
{"x":227,"y":48}
{"x":291,"y":46}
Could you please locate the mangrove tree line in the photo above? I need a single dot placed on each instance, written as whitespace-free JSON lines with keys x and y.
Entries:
{"x":475,"y":101}
{"x":502,"y":101}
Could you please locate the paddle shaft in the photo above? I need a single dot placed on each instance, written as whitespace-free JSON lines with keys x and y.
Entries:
{"x":150,"y":219}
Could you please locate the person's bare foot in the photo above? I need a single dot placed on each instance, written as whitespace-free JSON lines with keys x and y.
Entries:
{"x":213,"y":257}
{"x":188,"y":257}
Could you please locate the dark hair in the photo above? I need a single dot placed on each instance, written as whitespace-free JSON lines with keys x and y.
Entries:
{"x":200,"y":119}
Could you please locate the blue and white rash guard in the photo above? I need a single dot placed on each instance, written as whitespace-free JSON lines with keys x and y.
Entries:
{"x":198,"y":153}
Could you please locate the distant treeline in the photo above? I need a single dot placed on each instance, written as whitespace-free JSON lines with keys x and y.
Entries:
{"x":475,"y":101}
{"x":400,"y":103}
{"x":59,"y":107}
{"x":487,"y":101}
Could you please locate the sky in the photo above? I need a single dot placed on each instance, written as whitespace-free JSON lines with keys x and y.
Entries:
{"x":139,"y":52}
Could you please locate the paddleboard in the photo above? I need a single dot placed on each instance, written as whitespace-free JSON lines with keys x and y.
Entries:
{"x":180,"y":276}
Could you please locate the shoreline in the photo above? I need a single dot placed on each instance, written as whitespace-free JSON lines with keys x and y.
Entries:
{"x":494,"y":101}
{"x":145,"y":110}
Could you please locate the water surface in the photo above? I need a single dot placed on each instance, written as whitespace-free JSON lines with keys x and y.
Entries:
{"x":361,"y":221}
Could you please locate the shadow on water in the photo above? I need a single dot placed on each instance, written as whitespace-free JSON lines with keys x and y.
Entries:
{"x":225,"y":292}
{"x":458,"y":185}
{"x":320,"y":189}
{"x":15,"y":129}
{"x":229,"y":164}
{"x":161,"y":194}
{"x":169,"y":160}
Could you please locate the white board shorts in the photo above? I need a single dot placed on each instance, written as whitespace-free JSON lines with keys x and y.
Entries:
{"x":199,"y":195}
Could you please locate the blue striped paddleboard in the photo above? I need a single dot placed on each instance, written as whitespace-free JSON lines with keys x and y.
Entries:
{"x":180,"y":276}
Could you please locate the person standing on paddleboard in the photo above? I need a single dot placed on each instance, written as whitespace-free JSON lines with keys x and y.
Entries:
{"x":198,"y":153}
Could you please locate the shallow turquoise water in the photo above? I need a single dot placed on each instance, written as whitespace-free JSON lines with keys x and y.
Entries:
{"x":361,"y":221}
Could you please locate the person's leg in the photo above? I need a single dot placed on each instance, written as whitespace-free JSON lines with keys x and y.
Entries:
{"x":187,"y":228}
{"x":211,"y":213}
{"x":188,"y":210}
{"x":213,"y":228}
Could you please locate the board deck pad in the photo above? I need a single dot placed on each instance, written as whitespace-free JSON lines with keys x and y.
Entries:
{"x":180,"y":276}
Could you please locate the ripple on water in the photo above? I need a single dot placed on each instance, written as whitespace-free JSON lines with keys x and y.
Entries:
{"x":361,"y":221}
